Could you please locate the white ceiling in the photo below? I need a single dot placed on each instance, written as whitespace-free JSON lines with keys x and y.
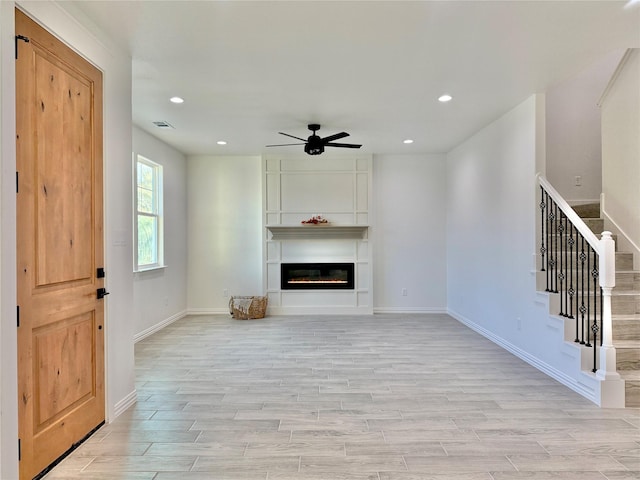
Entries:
{"x":248,"y":70}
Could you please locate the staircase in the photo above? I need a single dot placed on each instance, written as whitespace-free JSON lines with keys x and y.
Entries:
{"x":625,"y":311}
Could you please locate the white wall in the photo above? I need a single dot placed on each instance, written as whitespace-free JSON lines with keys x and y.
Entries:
{"x":491,"y":245}
{"x":224,"y":230}
{"x":491,"y":218}
{"x":409,"y":233}
{"x":117,"y":160}
{"x":8,"y":339}
{"x":621,"y":156}
{"x":573,"y":131}
{"x":160,"y":296}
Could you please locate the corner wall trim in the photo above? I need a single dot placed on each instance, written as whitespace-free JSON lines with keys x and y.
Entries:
{"x":158,"y":326}
{"x":120,"y":407}
{"x":614,"y":77}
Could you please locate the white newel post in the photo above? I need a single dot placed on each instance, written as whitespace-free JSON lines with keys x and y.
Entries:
{"x":607,"y":370}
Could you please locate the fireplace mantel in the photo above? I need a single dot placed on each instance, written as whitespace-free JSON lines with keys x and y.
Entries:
{"x":283,"y":232}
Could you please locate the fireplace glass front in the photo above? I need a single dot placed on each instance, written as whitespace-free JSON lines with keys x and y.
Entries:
{"x":317,"y":276}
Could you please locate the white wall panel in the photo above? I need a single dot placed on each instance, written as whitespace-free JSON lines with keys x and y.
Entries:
{"x":336,"y":218}
{"x":318,"y":250}
{"x":362,"y":276}
{"x":273,"y":251}
{"x":317,"y":192}
{"x":308,"y":163}
{"x":318,"y":299}
{"x":273,"y":276}
{"x":362,"y":192}
{"x":362,"y":251}
{"x":273,"y":192}
{"x":362,"y":219}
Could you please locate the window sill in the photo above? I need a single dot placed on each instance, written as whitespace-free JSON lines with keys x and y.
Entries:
{"x":150,"y":269}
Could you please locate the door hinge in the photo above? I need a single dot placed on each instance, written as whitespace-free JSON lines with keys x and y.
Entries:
{"x":17,"y":182}
{"x":19,"y":449}
{"x":24,"y":39}
{"x":18,"y":314}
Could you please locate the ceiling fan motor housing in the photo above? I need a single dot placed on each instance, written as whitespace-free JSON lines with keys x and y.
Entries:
{"x":314,"y":148}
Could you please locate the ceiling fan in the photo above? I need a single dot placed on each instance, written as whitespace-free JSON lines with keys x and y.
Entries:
{"x":314,"y":145}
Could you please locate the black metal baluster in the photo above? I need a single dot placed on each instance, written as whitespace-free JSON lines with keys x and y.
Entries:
{"x":571,"y":241}
{"x":562,"y":273}
{"x":583,"y":309}
{"x":594,"y":326}
{"x":554,"y":244}
{"x":588,"y":344}
{"x":572,"y":271}
{"x":601,"y":315}
{"x":550,"y":245}
{"x":567,"y":271}
{"x":543,"y":249}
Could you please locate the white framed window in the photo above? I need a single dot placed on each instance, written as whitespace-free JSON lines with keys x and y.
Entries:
{"x":147,"y":225}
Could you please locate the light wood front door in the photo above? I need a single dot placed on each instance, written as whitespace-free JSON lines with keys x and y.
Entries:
{"x":59,"y":247}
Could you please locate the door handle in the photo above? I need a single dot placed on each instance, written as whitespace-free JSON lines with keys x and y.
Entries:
{"x":101,"y":293}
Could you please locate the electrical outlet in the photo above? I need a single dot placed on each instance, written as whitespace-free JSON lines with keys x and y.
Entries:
{"x":578,"y":180}
{"x":404,"y":292}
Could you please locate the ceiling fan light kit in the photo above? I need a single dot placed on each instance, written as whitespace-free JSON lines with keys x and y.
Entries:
{"x":314,"y":145}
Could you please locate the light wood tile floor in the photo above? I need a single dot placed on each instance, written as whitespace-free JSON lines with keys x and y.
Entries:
{"x":383,"y":397}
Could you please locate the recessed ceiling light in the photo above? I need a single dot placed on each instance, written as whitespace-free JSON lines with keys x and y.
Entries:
{"x":444,"y":98}
{"x":221,"y":142}
{"x":176,"y":100}
{"x":408,"y":140}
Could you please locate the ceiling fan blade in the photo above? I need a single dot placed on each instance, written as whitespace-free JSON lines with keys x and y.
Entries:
{"x":342,"y":145}
{"x":297,"y":138}
{"x":337,"y":136}
{"x":285,"y":144}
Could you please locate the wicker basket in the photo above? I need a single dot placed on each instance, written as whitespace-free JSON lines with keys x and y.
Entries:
{"x":247,"y":308}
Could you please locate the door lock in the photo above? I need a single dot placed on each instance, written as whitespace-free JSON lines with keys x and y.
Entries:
{"x":101,"y":293}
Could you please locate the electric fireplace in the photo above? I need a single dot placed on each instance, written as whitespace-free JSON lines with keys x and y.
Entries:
{"x":317,"y":276}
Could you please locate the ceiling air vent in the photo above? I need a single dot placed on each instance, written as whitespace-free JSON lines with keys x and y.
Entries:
{"x":163,"y":124}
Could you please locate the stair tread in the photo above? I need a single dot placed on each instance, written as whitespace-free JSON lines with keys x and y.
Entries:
{"x":633,"y":375}
{"x":623,"y":293}
{"x":626,"y":344}
{"x":628,"y":316}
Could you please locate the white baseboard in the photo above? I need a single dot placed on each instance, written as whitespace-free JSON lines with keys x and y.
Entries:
{"x":410,"y":310}
{"x":120,"y":407}
{"x":158,"y":326}
{"x":208,"y":311}
{"x":579,"y":387}
{"x":317,"y":310}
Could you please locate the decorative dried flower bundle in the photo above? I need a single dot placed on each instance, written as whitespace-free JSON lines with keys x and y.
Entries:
{"x":315,"y":220}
